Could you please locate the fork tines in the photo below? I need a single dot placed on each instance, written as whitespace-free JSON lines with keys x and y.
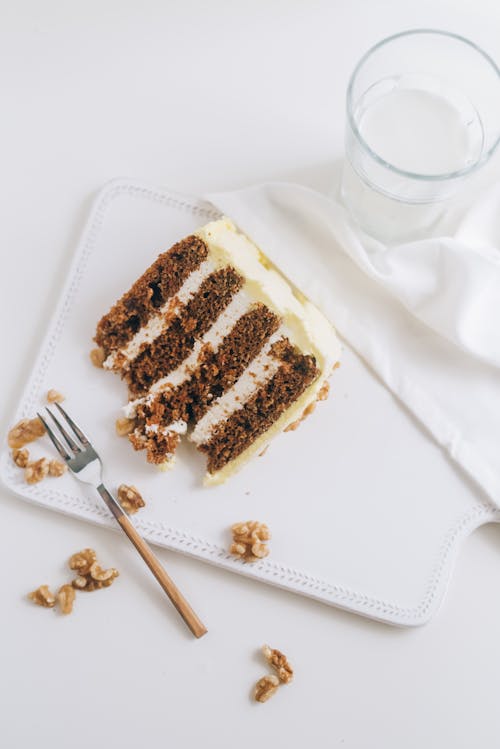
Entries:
{"x":64,"y":440}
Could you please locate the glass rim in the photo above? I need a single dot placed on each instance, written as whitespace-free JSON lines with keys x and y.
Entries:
{"x":404,"y":173}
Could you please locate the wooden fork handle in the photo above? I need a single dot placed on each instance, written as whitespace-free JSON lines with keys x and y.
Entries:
{"x":193,"y":622}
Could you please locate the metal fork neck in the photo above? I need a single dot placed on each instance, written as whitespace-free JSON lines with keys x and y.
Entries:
{"x":111,"y":502}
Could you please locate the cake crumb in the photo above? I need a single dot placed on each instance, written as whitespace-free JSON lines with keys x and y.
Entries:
{"x":324,"y":391}
{"x":54,"y":396}
{"x":97,"y":357}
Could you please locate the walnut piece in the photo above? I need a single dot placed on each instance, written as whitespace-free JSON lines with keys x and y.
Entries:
{"x":249,"y":540}
{"x":102,"y":576}
{"x":36,"y":471}
{"x":66,"y":598}
{"x":97,"y":357}
{"x":21,"y":457}
{"x":280,"y":664}
{"x":57,"y":468}
{"x":91,"y":576}
{"x":124,"y":426}
{"x":266,"y":687}
{"x":26,"y":430}
{"x":82,"y":561}
{"x":54,"y":396}
{"x":96,"y":580}
{"x":130,"y":498}
{"x":43,"y":597}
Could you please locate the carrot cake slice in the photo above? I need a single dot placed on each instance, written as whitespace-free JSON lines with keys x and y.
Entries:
{"x":213,"y":342}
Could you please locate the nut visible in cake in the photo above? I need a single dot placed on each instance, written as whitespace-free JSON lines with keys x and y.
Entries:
{"x":97,"y":357}
{"x":124,"y":426}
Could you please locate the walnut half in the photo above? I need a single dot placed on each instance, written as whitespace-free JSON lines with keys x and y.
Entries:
{"x":249,"y":540}
{"x":66,"y":598}
{"x":130,"y":498}
{"x":266,"y":687}
{"x":82,"y":561}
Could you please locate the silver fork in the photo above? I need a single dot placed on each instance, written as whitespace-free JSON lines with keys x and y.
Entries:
{"x":75,"y":449}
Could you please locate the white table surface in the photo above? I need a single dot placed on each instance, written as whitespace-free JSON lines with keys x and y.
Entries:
{"x":201,"y":96}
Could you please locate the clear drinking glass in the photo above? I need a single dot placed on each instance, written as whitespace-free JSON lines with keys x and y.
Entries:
{"x":423,"y":113}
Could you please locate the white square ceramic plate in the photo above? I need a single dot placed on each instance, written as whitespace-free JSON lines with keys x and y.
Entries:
{"x":352,"y":497}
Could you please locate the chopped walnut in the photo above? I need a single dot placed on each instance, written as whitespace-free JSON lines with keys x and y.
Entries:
{"x":130,"y":499}
{"x":43,"y":597}
{"x":36,"y":471}
{"x":124,"y":426}
{"x":66,"y":598}
{"x":25,"y":431}
{"x":102,"y":576}
{"x":82,"y":561}
{"x":91,"y":582}
{"x":249,"y":540}
{"x":57,"y":468}
{"x":266,"y":687}
{"x":80,"y":582}
{"x":91,"y":576}
{"x":21,"y":457}
{"x":54,"y":396}
{"x":97,"y":357}
{"x":279,"y":662}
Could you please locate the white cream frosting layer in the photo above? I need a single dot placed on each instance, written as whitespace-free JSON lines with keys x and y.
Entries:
{"x":258,"y":372}
{"x":306,"y":327}
{"x":160,"y":322}
{"x":237,"y":307}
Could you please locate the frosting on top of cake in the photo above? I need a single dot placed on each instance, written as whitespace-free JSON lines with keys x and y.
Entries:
{"x":307,"y":327}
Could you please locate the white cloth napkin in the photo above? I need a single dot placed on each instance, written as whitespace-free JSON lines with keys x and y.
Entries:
{"x":425,"y":315}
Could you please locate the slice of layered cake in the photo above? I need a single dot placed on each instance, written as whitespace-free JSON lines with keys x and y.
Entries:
{"x":214,"y":342}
